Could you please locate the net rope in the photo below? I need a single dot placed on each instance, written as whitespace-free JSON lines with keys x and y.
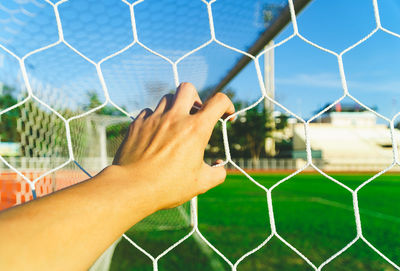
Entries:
{"x":195,"y":229}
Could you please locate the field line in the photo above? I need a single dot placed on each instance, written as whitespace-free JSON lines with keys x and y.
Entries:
{"x":362,"y":211}
{"x":321,"y":201}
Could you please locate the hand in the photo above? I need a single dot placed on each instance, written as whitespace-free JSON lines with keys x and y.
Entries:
{"x":165,"y":148}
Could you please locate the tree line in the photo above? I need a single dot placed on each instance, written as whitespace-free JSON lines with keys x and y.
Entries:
{"x":246,"y":134}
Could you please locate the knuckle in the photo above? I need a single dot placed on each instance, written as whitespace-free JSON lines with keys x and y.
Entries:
{"x":222,"y":97}
{"x":187,"y":85}
{"x":147,"y":112}
{"x":140,"y":115}
{"x":167,"y":119}
{"x":169,"y":116}
{"x":144,"y":113}
{"x":168,"y":96}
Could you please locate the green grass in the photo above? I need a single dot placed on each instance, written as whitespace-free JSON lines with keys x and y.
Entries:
{"x":311,"y":212}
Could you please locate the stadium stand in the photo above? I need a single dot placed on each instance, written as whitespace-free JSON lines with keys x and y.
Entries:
{"x":335,"y":133}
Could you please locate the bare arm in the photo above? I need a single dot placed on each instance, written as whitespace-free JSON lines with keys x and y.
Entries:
{"x":159,"y":165}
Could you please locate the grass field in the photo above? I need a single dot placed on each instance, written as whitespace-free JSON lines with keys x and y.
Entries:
{"x":312,"y":213}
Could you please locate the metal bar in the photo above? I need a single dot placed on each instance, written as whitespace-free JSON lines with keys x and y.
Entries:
{"x":269,"y":33}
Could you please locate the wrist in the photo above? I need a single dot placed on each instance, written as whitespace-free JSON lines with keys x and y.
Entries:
{"x":132,"y":187}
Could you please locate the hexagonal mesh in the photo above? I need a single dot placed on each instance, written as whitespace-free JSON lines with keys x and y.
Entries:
{"x":74,"y":73}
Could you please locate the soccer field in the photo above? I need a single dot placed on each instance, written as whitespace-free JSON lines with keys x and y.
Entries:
{"x":312,"y":213}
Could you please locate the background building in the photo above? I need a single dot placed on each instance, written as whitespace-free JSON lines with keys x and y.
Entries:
{"x":347,"y":138}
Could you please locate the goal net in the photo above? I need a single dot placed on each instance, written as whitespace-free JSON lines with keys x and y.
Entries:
{"x":316,"y":91}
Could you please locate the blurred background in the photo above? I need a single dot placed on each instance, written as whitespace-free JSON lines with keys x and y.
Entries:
{"x":105,"y":60}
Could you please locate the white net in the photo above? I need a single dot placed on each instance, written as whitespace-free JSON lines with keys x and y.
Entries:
{"x":74,"y":72}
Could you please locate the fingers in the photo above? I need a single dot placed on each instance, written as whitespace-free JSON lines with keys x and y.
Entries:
{"x":211,"y":177}
{"x":144,"y":114}
{"x":186,"y":96}
{"x":165,"y":104}
{"x":216,"y":107}
{"x":186,"y":100}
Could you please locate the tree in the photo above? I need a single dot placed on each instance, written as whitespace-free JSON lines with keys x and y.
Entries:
{"x":94,"y":101}
{"x":250,"y":131}
{"x":283,"y":145}
{"x":8,"y":121}
{"x":246,"y":135}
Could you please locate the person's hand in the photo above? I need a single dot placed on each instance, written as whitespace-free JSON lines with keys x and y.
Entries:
{"x":165,"y":148}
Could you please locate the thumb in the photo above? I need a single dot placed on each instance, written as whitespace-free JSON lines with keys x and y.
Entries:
{"x":211,"y":177}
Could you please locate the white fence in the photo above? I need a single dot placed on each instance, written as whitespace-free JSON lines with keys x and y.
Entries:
{"x":94,"y":164}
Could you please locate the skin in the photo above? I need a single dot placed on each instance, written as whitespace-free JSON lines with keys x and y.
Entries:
{"x":159,"y":165}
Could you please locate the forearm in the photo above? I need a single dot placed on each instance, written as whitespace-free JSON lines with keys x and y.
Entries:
{"x":71,"y":228}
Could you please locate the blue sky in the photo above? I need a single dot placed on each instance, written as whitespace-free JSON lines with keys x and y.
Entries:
{"x":306,"y":77}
